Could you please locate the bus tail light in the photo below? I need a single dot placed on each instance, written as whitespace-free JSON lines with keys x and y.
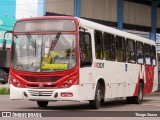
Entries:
{"x":66,"y":94}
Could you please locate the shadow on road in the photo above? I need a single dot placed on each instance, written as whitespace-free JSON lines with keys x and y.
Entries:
{"x":83,"y":106}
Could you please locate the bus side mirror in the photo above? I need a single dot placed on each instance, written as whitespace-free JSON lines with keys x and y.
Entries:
{"x":4,"y":40}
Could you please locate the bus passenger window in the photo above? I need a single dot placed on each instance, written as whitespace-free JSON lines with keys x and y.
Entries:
{"x":109,"y":46}
{"x":140,"y":56}
{"x":147,"y":54}
{"x":130,"y":51}
{"x":85,"y":49}
{"x":98,"y":44}
{"x":153,"y":55}
{"x":120,"y":49}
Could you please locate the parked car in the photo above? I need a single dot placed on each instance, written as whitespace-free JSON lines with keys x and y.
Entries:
{"x":3,"y":76}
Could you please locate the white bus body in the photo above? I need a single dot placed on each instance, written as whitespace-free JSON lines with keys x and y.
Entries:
{"x":119,"y":79}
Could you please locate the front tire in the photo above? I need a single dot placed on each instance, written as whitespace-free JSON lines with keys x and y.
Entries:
{"x":138,"y":99}
{"x":95,"y":104}
{"x":42,"y":103}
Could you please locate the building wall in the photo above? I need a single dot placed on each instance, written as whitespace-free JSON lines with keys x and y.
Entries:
{"x":99,"y":9}
{"x":7,"y":20}
{"x":7,"y":8}
{"x":134,"y":13}
{"x":60,"y":6}
{"x":137,"y":14}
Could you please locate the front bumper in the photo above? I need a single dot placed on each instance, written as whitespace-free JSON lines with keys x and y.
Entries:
{"x":43,"y":94}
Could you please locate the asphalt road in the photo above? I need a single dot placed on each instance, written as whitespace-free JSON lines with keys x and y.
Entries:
{"x":151,"y":103}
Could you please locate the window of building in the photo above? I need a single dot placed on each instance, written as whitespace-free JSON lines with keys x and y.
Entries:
{"x":130,"y":51}
{"x":85,"y":49}
{"x":98,"y":44}
{"x":140,"y":55}
{"x":120,"y":49}
{"x":109,"y":46}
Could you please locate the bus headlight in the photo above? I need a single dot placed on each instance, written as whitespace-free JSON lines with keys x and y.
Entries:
{"x":69,"y":82}
{"x":16,"y":83}
{"x":65,"y":85}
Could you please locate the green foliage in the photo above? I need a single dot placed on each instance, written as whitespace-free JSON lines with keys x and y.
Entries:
{"x":4,"y":91}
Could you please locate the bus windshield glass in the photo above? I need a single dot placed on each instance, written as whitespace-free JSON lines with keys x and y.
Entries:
{"x":46,"y":53}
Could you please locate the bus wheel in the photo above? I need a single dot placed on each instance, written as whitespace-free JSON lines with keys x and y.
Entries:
{"x":95,"y":104}
{"x":42,"y":103}
{"x":138,"y":99}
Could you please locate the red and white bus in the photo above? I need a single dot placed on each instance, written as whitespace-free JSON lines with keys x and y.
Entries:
{"x":62,"y":58}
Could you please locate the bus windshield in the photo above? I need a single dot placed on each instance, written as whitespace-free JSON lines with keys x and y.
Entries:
{"x":46,"y":53}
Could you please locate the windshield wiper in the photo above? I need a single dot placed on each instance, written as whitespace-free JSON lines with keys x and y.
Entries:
{"x":54,"y":42}
{"x":31,"y":41}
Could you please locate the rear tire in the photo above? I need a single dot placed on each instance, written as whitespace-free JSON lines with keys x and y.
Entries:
{"x":42,"y":103}
{"x":138,"y":99}
{"x":95,"y":104}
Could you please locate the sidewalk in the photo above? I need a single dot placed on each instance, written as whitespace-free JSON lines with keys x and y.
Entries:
{"x":4,"y":85}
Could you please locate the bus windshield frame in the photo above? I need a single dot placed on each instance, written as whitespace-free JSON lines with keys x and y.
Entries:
{"x":42,"y":50}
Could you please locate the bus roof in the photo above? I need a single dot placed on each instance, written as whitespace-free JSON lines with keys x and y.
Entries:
{"x":103,"y":28}
{"x":97,"y":26}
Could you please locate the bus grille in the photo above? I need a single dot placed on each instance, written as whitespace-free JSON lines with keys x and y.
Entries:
{"x":40,"y":93}
{"x":44,"y":86}
{"x":41,"y":78}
